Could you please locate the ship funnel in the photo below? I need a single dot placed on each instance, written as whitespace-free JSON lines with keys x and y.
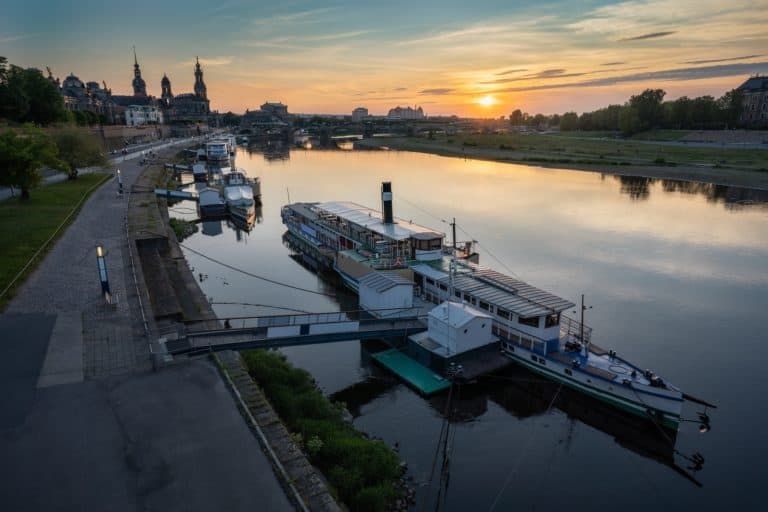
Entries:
{"x":386,"y":202}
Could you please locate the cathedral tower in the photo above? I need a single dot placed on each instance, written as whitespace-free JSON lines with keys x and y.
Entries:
{"x":139,"y":86}
{"x":165,"y":86}
{"x":200,"y":89}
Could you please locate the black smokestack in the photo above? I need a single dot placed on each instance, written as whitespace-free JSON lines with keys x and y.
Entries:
{"x":386,"y":202}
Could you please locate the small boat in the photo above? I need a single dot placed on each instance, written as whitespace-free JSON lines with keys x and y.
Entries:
{"x":238,"y":178}
{"x":240,"y":203}
{"x":210,"y":203}
{"x":217,"y":151}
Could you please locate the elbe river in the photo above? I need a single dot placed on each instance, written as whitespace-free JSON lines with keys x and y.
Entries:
{"x":677,"y":274}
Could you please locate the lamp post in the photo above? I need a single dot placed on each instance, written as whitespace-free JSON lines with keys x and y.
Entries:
{"x":102,"y":265}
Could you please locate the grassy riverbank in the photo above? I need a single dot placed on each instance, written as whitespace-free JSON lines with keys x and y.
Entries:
{"x":27,"y":226}
{"x":745,"y":167}
{"x":362,"y":471}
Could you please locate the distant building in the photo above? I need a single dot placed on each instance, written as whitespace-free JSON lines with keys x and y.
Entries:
{"x":755,"y":104}
{"x":185,"y":107}
{"x":400,"y":113}
{"x":359,"y":114}
{"x":277,"y":110}
{"x":86,"y":97}
{"x":140,"y":115}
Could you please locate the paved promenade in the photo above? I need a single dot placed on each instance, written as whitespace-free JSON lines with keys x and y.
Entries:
{"x":85,"y":422}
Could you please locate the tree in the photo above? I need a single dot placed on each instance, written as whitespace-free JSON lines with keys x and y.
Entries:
{"x":77,"y":148}
{"x":516,"y":118}
{"x":648,"y":105}
{"x":569,"y":122}
{"x":730,"y":105}
{"x":22,"y":154}
{"x":27,"y":96}
{"x":629,"y":121}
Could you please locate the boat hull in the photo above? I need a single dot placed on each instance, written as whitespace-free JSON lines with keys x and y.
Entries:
{"x":662,"y":408}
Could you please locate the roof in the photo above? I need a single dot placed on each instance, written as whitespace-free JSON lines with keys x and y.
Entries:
{"x":755,"y":83}
{"x":372,"y":220}
{"x":429,"y":272}
{"x":498,"y":289}
{"x":456,"y":314}
{"x":383,"y":281}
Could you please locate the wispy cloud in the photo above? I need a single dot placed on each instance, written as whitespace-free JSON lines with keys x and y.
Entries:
{"x":678,"y":74}
{"x":437,"y":92}
{"x":309,"y":15}
{"x":651,"y":35}
{"x":511,"y":71}
{"x":452,"y":35}
{"x":333,"y":37}
{"x":617,"y":63}
{"x":729,"y":59}
{"x":400,"y":89}
{"x":209,"y":61}
{"x":10,"y":39}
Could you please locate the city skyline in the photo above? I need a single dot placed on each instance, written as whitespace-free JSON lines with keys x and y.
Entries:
{"x":480,"y":60}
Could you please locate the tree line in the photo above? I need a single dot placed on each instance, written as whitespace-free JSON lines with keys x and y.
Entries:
{"x":30,"y":100}
{"x":646,"y":111}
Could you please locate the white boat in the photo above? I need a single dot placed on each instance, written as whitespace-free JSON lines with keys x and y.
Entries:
{"x":240,"y":203}
{"x":217,"y":151}
{"x":529,"y":322}
{"x":236,"y":177}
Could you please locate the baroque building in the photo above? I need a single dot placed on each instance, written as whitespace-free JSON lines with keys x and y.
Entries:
{"x":186,"y":107}
{"x":754,"y":106}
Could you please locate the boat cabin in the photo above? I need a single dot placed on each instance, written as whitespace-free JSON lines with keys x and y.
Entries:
{"x":521,"y":313}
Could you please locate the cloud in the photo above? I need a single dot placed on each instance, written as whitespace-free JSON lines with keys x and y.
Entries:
{"x":482,"y":30}
{"x":710,"y":61}
{"x":652,"y":35}
{"x":665,"y":75}
{"x":437,"y":92}
{"x":10,"y":39}
{"x":307,"y":16}
{"x":510,"y":71}
{"x":400,"y":89}
{"x":617,"y":63}
{"x":210,"y":61}
{"x":332,"y":37}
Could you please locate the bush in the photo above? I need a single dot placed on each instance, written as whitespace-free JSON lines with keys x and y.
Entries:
{"x":361,"y":470}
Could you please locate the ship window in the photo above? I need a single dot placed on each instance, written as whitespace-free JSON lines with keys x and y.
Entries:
{"x":484,"y":305}
{"x":503,"y":313}
{"x":429,"y":281}
{"x":534,"y":358}
{"x":531,"y":321}
{"x":467,"y":297}
{"x":552,"y":320}
{"x":443,"y":287}
{"x":568,"y":372}
{"x":465,"y":331}
{"x":457,"y":294}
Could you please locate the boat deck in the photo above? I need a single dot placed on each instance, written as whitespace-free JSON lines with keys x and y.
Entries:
{"x":420,"y":377}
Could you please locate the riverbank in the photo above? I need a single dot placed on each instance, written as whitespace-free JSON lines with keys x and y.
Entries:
{"x":721,"y":166}
{"x":28,"y":228}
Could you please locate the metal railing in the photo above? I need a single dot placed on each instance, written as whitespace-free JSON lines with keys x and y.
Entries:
{"x":570,"y":330}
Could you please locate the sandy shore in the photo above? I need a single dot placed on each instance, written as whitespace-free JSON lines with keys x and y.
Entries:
{"x":703,"y":174}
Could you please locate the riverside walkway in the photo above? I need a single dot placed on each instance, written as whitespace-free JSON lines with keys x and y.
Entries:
{"x":86,"y":424}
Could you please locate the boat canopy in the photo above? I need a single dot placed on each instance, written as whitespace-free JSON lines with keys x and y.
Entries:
{"x":498,"y":289}
{"x":372,"y":220}
{"x":238,"y":193}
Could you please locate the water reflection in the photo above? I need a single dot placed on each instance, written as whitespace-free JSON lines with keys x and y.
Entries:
{"x":733,"y":198}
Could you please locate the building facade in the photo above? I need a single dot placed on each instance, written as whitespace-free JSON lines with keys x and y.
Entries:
{"x":755,"y":103}
{"x":405,"y":113}
{"x":359,"y":114}
{"x":140,"y":115}
{"x":191,"y":107}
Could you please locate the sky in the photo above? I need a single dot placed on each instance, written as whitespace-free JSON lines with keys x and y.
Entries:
{"x":469,"y":58}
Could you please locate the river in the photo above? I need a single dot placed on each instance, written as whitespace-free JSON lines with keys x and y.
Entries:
{"x":677,"y":277}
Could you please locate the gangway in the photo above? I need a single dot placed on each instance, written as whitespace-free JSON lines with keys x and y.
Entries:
{"x":301,"y":329}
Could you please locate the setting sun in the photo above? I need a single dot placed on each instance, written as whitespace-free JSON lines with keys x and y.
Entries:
{"x":487,"y":101}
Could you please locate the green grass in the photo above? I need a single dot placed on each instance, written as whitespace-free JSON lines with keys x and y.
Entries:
{"x":559,"y":148}
{"x":26,"y":225}
{"x":362,"y":471}
{"x":662,"y":135}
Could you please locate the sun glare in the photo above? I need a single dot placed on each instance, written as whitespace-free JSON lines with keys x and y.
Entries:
{"x":487,"y":101}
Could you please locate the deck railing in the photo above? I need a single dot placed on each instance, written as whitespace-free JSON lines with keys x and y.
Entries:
{"x":570,"y":330}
